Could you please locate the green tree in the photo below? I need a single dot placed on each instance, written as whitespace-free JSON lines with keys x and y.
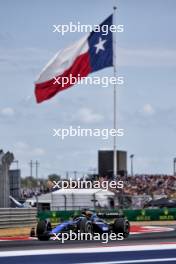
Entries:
{"x":54,"y":177}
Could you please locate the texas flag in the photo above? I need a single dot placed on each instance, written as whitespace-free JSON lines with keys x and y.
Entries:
{"x":89,"y":54}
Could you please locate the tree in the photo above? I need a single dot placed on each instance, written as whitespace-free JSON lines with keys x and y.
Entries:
{"x":28,"y":182}
{"x":54,"y":177}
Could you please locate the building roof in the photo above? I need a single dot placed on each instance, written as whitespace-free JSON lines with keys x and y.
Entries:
{"x":46,"y":198}
{"x":83,"y":192}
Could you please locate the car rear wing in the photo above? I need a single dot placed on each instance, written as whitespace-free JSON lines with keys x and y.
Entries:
{"x":109,"y":215}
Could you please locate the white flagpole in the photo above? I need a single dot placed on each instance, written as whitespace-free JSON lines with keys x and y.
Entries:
{"x":115,"y":169}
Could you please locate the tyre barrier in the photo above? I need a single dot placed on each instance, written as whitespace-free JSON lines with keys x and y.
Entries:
{"x":17,"y":217}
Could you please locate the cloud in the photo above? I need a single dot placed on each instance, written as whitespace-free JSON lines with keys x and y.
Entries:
{"x":147,"y":57}
{"x":23,"y":59}
{"x":39,"y":151}
{"x":23,"y":149}
{"x":7,"y":112}
{"x":21,"y":146}
{"x":158,"y":118}
{"x":86,"y":115}
{"x":147,"y":109}
{"x":150,"y":164}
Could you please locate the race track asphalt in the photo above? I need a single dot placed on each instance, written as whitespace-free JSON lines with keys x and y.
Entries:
{"x":148,"y":238}
{"x":93,"y":252}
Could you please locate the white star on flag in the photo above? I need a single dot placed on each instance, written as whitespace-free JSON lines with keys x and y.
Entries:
{"x":99,"y":46}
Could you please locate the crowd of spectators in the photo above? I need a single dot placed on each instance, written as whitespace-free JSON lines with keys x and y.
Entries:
{"x":30,"y":192}
{"x":153,"y":185}
{"x":140,"y":189}
{"x":137,"y":189}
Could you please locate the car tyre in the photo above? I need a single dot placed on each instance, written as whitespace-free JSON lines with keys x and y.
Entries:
{"x":42,"y":231}
{"x":122,"y":225}
{"x":86,"y":226}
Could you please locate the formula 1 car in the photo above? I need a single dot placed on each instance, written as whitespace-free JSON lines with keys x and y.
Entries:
{"x":87,"y":222}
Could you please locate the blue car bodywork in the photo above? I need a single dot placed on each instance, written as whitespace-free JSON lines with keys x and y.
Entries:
{"x":98,"y":225}
{"x":90,"y":223}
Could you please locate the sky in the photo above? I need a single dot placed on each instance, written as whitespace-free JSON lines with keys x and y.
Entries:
{"x":146,"y":108}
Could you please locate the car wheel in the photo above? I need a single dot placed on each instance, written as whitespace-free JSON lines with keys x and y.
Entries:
{"x":32,"y":232}
{"x":42,"y":231}
{"x":86,"y":226}
{"x":121,"y":225}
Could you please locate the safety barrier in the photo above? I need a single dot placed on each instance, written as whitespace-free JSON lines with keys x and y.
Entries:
{"x":17,"y":217}
{"x":132,"y":215}
{"x":163,"y":214}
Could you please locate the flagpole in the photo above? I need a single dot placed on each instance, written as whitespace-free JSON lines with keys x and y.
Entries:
{"x":115,"y":169}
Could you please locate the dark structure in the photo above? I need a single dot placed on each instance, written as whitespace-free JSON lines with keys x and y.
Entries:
{"x":105,"y":163}
{"x":15,"y":183}
{"x":5,"y":161}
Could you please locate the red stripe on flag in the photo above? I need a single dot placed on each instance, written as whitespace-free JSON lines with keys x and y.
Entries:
{"x":48,"y":89}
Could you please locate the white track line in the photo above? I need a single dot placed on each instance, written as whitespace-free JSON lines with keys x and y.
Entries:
{"x":134,"y":261}
{"x":157,"y":229}
{"x":87,"y":250}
